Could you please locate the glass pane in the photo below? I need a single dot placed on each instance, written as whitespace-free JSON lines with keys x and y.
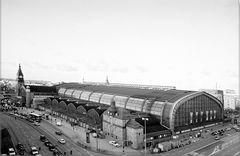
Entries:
{"x":106,"y":99}
{"x":157,"y":108}
{"x":61,"y":91}
{"x":120,"y":101}
{"x":95,"y":97}
{"x":134,"y":104}
{"x":85,"y":95}
{"x":68,"y":93}
{"x":76,"y":94}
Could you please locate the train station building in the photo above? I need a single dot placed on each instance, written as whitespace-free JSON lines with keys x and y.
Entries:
{"x":128,"y":113}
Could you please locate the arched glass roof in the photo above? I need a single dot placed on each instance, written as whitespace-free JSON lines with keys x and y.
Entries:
{"x":95,"y":97}
{"x":69,"y":92}
{"x":61,"y":91}
{"x":120,"y":101}
{"x":135,"y":104}
{"x":106,"y":99}
{"x":76,"y":94}
{"x":85,"y":95}
{"x":157,"y":108}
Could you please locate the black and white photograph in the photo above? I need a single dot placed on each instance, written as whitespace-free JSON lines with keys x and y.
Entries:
{"x":119,"y":77}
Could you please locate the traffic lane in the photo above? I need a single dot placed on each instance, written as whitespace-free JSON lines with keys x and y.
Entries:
{"x":69,"y":143}
{"x":232,"y":146}
{"x":217,"y":146}
{"x":189,"y":148}
{"x":73,"y":145}
{"x":232,"y":150}
{"x":198,"y":145}
{"x":52,"y":129}
{"x":61,"y":148}
{"x":25,"y":134}
{"x":54,"y":140}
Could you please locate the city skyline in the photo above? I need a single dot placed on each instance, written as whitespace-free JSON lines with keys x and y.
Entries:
{"x":190,"y":45}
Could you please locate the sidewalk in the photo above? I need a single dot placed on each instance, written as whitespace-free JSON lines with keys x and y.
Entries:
{"x":78,"y":135}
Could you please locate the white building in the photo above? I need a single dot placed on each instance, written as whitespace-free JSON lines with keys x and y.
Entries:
{"x":230,"y":99}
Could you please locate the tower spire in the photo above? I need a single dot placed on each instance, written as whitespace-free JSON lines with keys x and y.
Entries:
{"x":107,"y":82}
{"x":20,"y":80}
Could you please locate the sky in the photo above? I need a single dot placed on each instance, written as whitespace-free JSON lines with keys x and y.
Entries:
{"x":190,"y":44}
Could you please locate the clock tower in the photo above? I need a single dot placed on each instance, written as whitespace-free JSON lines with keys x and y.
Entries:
{"x":20,"y":80}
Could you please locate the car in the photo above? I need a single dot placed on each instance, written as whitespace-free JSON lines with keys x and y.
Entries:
{"x":228,"y":129}
{"x":57,"y":153}
{"x":11,"y":151}
{"x":95,"y":135}
{"x":217,"y":138}
{"x":62,"y":141}
{"x":112,"y":142}
{"x":21,"y":152}
{"x":34,"y":150}
{"x":47,"y":143}
{"x":43,"y":138}
{"x":51,"y":147}
{"x":31,"y":120}
{"x":20,"y":146}
{"x":117,"y":145}
{"x":59,"y":123}
{"x":36,"y":123}
{"x":58,"y":132}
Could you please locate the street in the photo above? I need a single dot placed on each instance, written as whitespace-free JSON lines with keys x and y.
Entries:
{"x":23,"y":133}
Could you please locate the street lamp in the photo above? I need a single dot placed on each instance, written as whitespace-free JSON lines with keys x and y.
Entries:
{"x":145,"y":128}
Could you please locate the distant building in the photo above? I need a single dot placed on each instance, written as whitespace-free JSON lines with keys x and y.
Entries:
{"x":230,"y":99}
{"x":238,"y":103}
{"x":217,"y":93}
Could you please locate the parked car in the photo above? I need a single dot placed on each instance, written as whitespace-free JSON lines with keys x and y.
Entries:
{"x":11,"y":151}
{"x":34,"y":150}
{"x":217,"y":138}
{"x":47,"y":143}
{"x":58,"y":132}
{"x":20,"y":146}
{"x":51,"y":147}
{"x":57,"y":153}
{"x":117,"y":145}
{"x":36,"y":123}
{"x":62,"y":141}
{"x":112,"y":142}
{"x":42,"y":138}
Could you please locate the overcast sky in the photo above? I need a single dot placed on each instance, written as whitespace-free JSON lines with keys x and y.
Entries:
{"x":190,"y":44}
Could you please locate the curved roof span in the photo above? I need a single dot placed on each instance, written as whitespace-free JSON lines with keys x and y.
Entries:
{"x":161,"y":103}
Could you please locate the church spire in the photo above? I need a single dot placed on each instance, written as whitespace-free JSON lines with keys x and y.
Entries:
{"x":107,"y":82}
{"x":20,"y":75}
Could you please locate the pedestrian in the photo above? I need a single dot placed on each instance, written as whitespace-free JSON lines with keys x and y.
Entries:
{"x":71,"y":152}
{"x":39,"y":148}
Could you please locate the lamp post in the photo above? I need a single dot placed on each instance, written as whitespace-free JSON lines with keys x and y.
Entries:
{"x":145,"y":129}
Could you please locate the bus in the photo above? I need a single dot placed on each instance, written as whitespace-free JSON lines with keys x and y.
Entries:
{"x":35,"y":117}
